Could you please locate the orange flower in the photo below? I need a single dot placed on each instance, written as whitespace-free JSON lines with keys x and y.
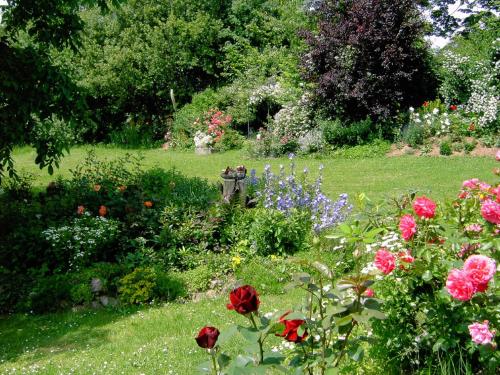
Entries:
{"x":425,"y":104}
{"x":103,"y":211}
{"x":80,"y":210}
{"x":122,"y":188}
{"x":97,"y":187}
{"x":148,"y":204}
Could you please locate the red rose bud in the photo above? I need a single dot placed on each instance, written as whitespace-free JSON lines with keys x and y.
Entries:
{"x":453,"y":107}
{"x":244,"y":300}
{"x":207,"y":337}
{"x":290,"y":332}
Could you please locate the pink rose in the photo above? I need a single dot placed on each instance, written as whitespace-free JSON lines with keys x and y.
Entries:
{"x":497,"y":156}
{"x":480,"y":270}
{"x":424,"y":207}
{"x":369,"y":293}
{"x":481,"y":333}
{"x":408,"y":227}
{"x":459,"y":285}
{"x":385,"y":261}
{"x":471,"y":184}
{"x":491,"y":211}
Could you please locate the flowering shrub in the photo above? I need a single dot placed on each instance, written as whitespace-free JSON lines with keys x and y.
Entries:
{"x":79,"y":242}
{"x":440,"y":265}
{"x":211,"y":128}
{"x":288,"y":193}
{"x":294,"y":120}
{"x":473,"y":83}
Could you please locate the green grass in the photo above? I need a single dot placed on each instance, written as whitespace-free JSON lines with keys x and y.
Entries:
{"x":159,"y":340}
{"x":439,"y":176}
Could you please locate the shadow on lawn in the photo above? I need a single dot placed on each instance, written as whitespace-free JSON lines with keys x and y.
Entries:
{"x":43,"y":335}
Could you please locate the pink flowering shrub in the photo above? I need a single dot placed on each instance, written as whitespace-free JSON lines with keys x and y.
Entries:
{"x":443,"y":283}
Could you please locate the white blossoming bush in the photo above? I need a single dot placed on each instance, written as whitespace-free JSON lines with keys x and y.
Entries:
{"x":473,"y":83}
{"x":294,"y":120}
{"x":80,"y":240}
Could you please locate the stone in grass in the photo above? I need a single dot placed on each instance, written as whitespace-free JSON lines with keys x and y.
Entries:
{"x":108,"y":301}
{"x":96,"y":285}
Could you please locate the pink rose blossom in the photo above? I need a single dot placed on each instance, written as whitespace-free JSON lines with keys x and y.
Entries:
{"x":491,"y":211}
{"x":471,"y":184}
{"x":459,"y":285}
{"x":385,"y":261}
{"x":477,"y":228}
{"x":497,"y":156}
{"x":480,"y":270}
{"x":369,"y":293}
{"x":408,"y":227}
{"x":481,"y":333}
{"x":424,"y":207}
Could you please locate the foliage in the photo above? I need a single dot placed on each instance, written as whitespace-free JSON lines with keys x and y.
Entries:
{"x":340,"y":134}
{"x":368,"y":58}
{"x":145,"y":284}
{"x":445,"y":148}
{"x":273,"y":232}
{"x":424,"y":321}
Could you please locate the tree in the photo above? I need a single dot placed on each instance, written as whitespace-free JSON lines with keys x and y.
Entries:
{"x":368,"y":58}
{"x":452,"y":16}
{"x":38,"y":99}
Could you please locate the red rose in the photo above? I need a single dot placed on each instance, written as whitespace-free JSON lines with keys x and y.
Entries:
{"x":291,"y":327}
{"x":453,"y":107}
{"x":80,"y":210}
{"x":207,"y":337}
{"x":103,"y":211}
{"x":244,"y":300}
{"x":425,"y":104}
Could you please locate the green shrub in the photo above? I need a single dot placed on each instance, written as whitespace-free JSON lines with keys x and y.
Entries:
{"x":339,"y":134}
{"x":231,"y":140}
{"x":145,"y":284}
{"x":445,"y":148}
{"x":197,"y":279}
{"x":49,"y":294}
{"x":274,"y":233}
{"x":470,"y":146}
{"x":414,"y":135}
{"x":138,"y":286}
{"x":377,"y":148}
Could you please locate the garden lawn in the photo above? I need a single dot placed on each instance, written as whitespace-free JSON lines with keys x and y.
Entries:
{"x":150,"y":341}
{"x":439,"y":177}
